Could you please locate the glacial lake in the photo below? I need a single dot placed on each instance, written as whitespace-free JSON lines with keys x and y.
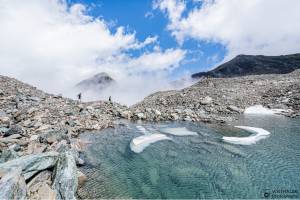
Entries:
{"x":194,"y":166}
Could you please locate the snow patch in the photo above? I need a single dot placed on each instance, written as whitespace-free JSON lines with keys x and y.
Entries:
{"x":259,"y":134}
{"x":182,"y":131}
{"x":138,"y":144}
{"x":260,"y":110}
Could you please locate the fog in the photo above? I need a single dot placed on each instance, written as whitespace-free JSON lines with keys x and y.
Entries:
{"x":53,"y":46}
{"x":131,"y":89}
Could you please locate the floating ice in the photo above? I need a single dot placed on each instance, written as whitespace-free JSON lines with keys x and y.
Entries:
{"x":259,"y":134}
{"x":260,"y":110}
{"x":142,"y":130}
{"x":178,"y":131}
{"x":138,"y":144}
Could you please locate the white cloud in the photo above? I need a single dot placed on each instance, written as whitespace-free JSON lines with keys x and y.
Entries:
{"x":174,"y":9}
{"x":53,"y":46}
{"x":243,"y":26}
{"x":158,"y":60}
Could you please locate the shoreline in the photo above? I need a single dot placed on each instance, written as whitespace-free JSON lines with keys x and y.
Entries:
{"x":34,"y":123}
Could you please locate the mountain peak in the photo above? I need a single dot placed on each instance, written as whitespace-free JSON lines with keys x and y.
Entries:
{"x":98,"y":81}
{"x":243,"y":65}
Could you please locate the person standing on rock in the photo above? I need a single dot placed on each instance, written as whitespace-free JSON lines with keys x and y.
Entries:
{"x":79,"y":96}
{"x":17,"y":99}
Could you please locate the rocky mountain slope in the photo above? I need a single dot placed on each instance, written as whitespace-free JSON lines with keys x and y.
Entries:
{"x":244,"y":65}
{"x":219,"y":99}
{"x":39,"y":148}
{"x":96,"y":83}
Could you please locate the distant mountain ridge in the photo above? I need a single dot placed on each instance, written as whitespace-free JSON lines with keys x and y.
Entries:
{"x":243,"y":65}
{"x":98,"y":81}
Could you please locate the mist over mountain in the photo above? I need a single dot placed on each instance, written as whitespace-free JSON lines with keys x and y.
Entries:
{"x":243,"y":65}
{"x":128,"y":89}
{"x":99,"y":81}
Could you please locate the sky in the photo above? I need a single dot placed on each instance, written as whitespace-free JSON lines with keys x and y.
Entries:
{"x":143,"y":44}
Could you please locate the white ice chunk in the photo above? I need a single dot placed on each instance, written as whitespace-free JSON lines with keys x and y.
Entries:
{"x":142,"y":129}
{"x":138,"y":144}
{"x":182,"y":131}
{"x":259,"y":134}
{"x":260,"y":110}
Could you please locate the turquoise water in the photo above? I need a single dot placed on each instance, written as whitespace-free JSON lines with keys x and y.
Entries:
{"x":201,"y":166}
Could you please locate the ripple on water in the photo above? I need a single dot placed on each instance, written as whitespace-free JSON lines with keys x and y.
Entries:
{"x":201,"y":166}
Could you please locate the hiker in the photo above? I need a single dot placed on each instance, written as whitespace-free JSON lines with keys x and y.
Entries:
{"x":109,"y":99}
{"x":79,"y":96}
{"x":17,"y":99}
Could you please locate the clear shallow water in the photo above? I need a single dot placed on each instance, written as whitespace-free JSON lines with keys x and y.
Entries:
{"x":200,"y":166}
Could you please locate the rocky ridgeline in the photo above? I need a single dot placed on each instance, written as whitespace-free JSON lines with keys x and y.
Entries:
{"x":221,"y":99}
{"x":39,"y":148}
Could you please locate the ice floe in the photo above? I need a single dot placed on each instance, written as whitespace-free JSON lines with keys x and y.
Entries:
{"x":259,"y":134}
{"x":182,"y":131}
{"x":260,"y":110}
{"x":138,"y":144}
{"x":142,"y":130}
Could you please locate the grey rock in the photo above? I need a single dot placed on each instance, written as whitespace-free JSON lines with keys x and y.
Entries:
{"x":4,"y":121}
{"x":32,"y":164}
{"x":188,"y":111}
{"x":140,"y":115}
{"x":45,"y":192}
{"x":126,"y":114}
{"x":2,"y":114}
{"x":3,"y":130}
{"x":15,"y":147}
{"x":7,"y":154}
{"x":187,"y":118}
{"x":65,"y":181}
{"x":206,"y":100}
{"x":235,"y":109}
{"x":34,"y":184}
{"x":51,"y":136}
{"x":12,"y":185}
{"x":15,"y":129}
{"x":174,"y":116}
{"x":157,"y":112}
{"x":36,"y":99}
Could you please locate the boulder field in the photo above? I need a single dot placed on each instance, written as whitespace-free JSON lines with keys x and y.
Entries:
{"x":39,"y":144}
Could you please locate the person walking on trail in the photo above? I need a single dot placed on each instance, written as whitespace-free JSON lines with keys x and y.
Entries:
{"x":109,"y":99}
{"x":17,"y":99}
{"x":79,"y":96}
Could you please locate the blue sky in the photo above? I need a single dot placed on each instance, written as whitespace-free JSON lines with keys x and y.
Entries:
{"x":139,"y":16}
{"x":142,"y":44}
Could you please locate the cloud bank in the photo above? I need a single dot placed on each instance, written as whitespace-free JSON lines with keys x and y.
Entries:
{"x":242,"y":26}
{"x":53,"y":46}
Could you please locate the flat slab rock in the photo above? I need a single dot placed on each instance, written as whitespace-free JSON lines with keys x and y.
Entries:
{"x":12,"y":185}
{"x":65,"y":181}
{"x":32,"y":164}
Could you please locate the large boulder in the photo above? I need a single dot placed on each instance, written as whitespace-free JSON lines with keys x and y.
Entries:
{"x":32,"y":164}
{"x":7,"y":154}
{"x":38,"y":187}
{"x":65,"y":181}
{"x":12,"y":185}
{"x":52,"y":136}
{"x":14,"y":129}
